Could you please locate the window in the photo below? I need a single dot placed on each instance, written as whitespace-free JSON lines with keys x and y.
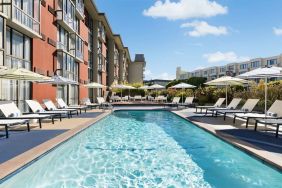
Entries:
{"x":18,"y":54}
{"x":67,"y":65}
{"x":1,"y":41}
{"x":243,"y":66}
{"x":271,"y":62}
{"x":255,"y":64}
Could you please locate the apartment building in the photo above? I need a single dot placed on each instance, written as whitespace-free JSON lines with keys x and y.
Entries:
{"x":70,"y":38}
{"x":231,"y":69}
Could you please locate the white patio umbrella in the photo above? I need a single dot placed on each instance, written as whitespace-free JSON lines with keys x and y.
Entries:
{"x":182,"y":86}
{"x":58,"y":80}
{"x":156,"y":87}
{"x":143,"y":87}
{"x":263,"y":73}
{"x":121,"y":87}
{"x":226,"y":81}
{"x":20,"y":74}
{"x":94,"y":85}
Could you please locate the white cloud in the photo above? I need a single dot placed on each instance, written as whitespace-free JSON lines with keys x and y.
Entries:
{"x":224,"y":57}
{"x":165,"y":76}
{"x":185,"y":9}
{"x":201,"y":28}
{"x":277,"y":31}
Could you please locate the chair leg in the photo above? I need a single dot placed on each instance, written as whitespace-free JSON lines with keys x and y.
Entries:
{"x":40,"y":125}
{"x":247,"y":123}
{"x":6,"y":130}
{"x":277,"y":131}
{"x":256,"y":125}
{"x":60,"y":116}
{"x":53,"y":120}
{"x":224,"y":117}
{"x":28,"y":127}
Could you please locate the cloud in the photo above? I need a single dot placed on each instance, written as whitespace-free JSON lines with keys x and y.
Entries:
{"x":185,"y":9}
{"x":277,"y":31}
{"x":201,"y":28}
{"x":165,"y":76}
{"x":224,"y":57}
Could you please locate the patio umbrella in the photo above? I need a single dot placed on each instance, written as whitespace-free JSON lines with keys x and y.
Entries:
{"x":58,"y":80}
{"x":143,"y":87}
{"x":94,"y":85}
{"x":121,"y":87}
{"x":20,"y":74}
{"x":156,"y":87}
{"x":226,"y":81}
{"x":263,"y":73}
{"x":182,"y":86}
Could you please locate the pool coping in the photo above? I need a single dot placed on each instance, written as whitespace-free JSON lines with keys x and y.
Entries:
{"x":16,"y":164}
{"x":242,"y":145}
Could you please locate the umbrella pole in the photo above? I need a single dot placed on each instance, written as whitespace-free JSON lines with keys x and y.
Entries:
{"x":182,"y":95}
{"x":226,"y":102}
{"x":265,"y":97}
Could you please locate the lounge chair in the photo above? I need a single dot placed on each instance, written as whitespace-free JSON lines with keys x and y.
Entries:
{"x":150,"y":98}
{"x":125,"y":98}
{"x":9,"y":123}
{"x":188,"y":102}
{"x":218,"y":103}
{"x":103,"y":104}
{"x":174,"y":103}
{"x":272,"y":122}
{"x":137,"y":98}
{"x":247,"y":107}
{"x":274,"y":112}
{"x":88,"y":103}
{"x":115,"y":98}
{"x":37,"y":109}
{"x":63,"y":105}
{"x":51,"y":107}
{"x":11,"y":111}
{"x":232,"y":106}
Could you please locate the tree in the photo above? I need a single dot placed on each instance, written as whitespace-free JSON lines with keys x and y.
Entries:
{"x":196,"y":81}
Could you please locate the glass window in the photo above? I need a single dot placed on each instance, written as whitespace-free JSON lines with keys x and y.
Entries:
{"x":1,"y":33}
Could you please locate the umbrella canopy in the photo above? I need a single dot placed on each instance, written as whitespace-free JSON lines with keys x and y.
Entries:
{"x":143,"y":87}
{"x":21,"y":74}
{"x":58,"y":80}
{"x":265,"y":73}
{"x":182,"y":86}
{"x":119,"y":86}
{"x":226,"y":81}
{"x":130,"y":87}
{"x":94,"y":85}
{"x":156,"y":86}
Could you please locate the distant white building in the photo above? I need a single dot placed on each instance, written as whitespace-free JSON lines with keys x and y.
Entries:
{"x":231,"y":69}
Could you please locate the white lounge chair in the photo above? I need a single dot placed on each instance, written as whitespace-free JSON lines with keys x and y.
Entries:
{"x":63,"y":105}
{"x":9,"y":123}
{"x":11,"y":111}
{"x":103,"y":104}
{"x":271,"y":122}
{"x":188,"y":102}
{"x":88,"y":103}
{"x":247,"y":107}
{"x":51,"y":107}
{"x":174,"y":103}
{"x":274,"y":112}
{"x":218,"y":103}
{"x":37,"y":109}
{"x":232,"y":106}
{"x":137,"y":98}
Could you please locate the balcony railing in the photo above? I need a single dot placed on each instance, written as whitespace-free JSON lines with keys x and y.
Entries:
{"x":16,"y":16}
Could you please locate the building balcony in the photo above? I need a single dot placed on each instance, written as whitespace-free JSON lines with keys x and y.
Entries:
{"x":64,"y":17}
{"x":79,"y":9}
{"x":21,"y":20}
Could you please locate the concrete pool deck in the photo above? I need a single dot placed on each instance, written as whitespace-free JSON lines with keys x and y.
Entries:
{"x":28,"y":146}
{"x":22,"y":147}
{"x":260,"y":144}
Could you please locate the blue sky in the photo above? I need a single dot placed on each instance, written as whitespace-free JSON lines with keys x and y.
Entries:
{"x":195,"y":33}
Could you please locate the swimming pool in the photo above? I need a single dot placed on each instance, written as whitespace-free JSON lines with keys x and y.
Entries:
{"x":145,"y":149}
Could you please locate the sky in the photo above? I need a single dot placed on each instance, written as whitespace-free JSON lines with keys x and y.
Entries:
{"x":195,"y":34}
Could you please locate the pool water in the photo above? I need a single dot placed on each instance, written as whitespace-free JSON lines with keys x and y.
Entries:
{"x":145,"y":149}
